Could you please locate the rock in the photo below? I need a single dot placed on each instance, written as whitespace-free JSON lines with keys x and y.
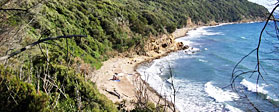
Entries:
{"x":179,"y":45}
{"x":185,"y":47}
{"x":164,"y":45}
{"x":189,"y":22}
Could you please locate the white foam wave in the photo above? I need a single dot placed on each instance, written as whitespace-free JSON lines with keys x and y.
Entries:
{"x":222,"y":24}
{"x":191,"y":96}
{"x":196,"y":99}
{"x":254,"y":87}
{"x":196,"y":33}
{"x":186,"y":41}
{"x":253,"y":22}
{"x":204,"y":61}
{"x":179,"y":55}
{"x":152,"y":74}
{"x":232,"y":109}
{"x":260,"y":88}
{"x":243,"y":38}
{"x":202,"y":31}
{"x":191,"y":50}
{"x":218,"y":94}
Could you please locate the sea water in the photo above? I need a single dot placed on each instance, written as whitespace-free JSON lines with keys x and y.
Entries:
{"x":202,"y":78}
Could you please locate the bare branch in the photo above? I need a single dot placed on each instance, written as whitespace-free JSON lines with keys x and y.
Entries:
{"x":258,"y":68}
{"x":35,"y":43}
{"x":24,"y":10}
{"x":273,"y":19}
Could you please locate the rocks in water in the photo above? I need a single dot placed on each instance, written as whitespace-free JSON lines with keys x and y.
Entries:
{"x":181,"y":46}
{"x":192,"y":50}
{"x":185,"y":47}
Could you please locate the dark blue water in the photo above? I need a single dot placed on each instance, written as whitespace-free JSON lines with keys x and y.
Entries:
{"x":202,"y":78}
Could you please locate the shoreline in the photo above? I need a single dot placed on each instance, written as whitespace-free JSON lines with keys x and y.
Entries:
{"x":128,"y":85}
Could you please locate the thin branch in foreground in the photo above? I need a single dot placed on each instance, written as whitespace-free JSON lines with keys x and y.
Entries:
{"x":35,"y":43}
{"x":259,"y":68}
{"x":24,"y":10}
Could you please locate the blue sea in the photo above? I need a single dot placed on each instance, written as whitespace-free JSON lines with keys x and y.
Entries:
{"x":203,"y":73}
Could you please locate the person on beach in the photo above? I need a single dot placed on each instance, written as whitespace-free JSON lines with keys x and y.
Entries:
{"x":115,"y":77}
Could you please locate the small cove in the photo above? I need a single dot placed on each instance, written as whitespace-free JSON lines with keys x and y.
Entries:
{"x":203,"y":77}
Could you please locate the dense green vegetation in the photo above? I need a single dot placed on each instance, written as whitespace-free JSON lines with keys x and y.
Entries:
{"x":61,"y":90}
{"x":124,"y":24}
{"x":111,"y":26}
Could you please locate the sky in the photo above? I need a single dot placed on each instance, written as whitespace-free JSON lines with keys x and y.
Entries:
{"x":269,"y":4}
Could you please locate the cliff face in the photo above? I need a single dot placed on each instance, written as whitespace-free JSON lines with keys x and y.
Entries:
{"x":165,"y":43}
{"x":49,"y":71}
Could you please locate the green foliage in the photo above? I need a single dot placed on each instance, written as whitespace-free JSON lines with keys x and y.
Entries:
{"x":116,"y":24}
{"x":21,"y":94}
{"x":90,"y":97}
{"x":150,"y":107}
{"x":17,"y":95}
{"x":171,"y":28}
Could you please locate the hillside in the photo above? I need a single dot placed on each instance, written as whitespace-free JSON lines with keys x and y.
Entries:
{"x":54,"y":75}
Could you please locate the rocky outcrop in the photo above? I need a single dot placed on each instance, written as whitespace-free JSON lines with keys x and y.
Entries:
{"x":163,"y":43}
{"x":181,"y":46}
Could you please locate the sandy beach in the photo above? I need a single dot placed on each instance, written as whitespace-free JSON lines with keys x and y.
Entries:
{"x":124,"y":68}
